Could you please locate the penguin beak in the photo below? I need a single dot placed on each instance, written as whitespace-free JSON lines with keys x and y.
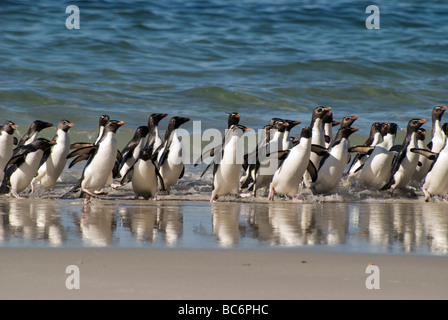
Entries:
{"x":49,"y":124}
{"x":53,"y":142}
{"x":163,"y":115}
{"x":71,"y":124}
{"x":444,"y":108}
{"x":354,"y":129}
{"x":14,"y":126}
{"x":336,"y":123}
{"x":422,"y":121}
{"x":327,"y":109}
{"x":355,"y":117}
{"x":120,"y":123}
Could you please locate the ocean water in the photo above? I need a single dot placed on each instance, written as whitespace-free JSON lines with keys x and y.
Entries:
{"x":262,"y":58}
{"x":201,"y":59}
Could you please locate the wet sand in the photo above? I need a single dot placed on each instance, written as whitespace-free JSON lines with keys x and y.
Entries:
{"x":297,"y":258}
{"x":217,"y":274}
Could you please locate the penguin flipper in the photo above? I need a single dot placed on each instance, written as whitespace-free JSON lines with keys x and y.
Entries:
{"x":159,"y":176}
{"x":361,"y":149}
{"x":319,"y":150}
{"x":182,"y":173}
{"x":428,"y":154}
{"x":15,"y":141}
{"x":79,"y":158}
{"x":359,"y":168}
{"x":78,"y":145}
{"x":311,"y":168}
{"x":127,"y":176}
{"x":327,"y":139}
{"x":84,"y":150}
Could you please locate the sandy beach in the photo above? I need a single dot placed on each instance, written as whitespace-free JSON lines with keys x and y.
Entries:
{"x":217,"y":274}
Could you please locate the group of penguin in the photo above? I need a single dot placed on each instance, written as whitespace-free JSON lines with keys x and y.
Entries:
{"x":317,"y":160}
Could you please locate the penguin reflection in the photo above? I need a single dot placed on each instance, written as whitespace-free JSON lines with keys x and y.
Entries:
{"x":225,"y":223}
{"x":97,"y":225}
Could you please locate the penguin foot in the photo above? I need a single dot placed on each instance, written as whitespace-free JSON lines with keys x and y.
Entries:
{"x":115,"y":185}
{"x":271,"y":194}
{"x":427,"y":195}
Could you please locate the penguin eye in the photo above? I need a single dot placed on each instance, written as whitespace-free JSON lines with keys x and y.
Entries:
{"x":319,"y":110}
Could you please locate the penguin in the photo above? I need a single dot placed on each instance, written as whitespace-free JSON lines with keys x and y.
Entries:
{"x":286,"y":143}
{"x":101,"y":161}
{"x":23,"y":166}
{"x":376,"y":170}
{"x":421,"y":170}
{"x":261,"y":171}
{"x":232,"y":118}
{"x":373,"y":139}
{"x":170,"y":162}
{"x":6,"y":144}
{"x":54,"y":159}
{"x":318,"y":138}
{"x":33,"y":131}
{"x":436,"y":180}
{"x":226,"y":172}
{"x":405,"y":162}
{"x":435,"y":145}
{"x":104,"y":119}
{"x":132,"y":149}
{"x":333,"y":163}
{"x":154,"y":141}
{"x":79,"y":145}
{"x":328,"y":124}
{"x":144,"y":176}
{"x":295,"y":162}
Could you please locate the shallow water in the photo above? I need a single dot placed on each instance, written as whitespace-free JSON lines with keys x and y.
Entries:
{"x":399,"y":226}
{"x":201,"y":59}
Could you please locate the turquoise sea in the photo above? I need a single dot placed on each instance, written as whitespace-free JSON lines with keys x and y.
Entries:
{"x":201,"y":59}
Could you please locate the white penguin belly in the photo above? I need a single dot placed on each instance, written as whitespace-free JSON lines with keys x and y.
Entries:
{"x":330,"y":174}
{"x":24,"y":174}
{"x":144,"y":179}
{"x":436,"y":181}
{"x":173,"y":165}
{"x":100,"y":168}
{"x":287,"y":178}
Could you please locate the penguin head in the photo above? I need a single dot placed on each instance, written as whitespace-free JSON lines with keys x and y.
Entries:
{"x":145,"y":154}
{"x":42,"y":144}
{"x":39,"y":125}
{"x":347,"y":131}
{"x":176,"y":122}
{"x":113,"y":125}
{"x":328,"y":117}
{"x":141,"y":132}
{"x":319,"y":112}
{"x":377,"y":127}
{"x":239,"y":129}
{"x":348,"y":121}
{"x":437,"y":112}
{"x":421,"y":134}
{"x":103,"y":120}
{"x":233,"y":118}
{"x":9,"y":127}
{"x":155,"y":118}
{"x":414,"y":124}
{"x":65,"y":125}
{"x":291,"y":124}
{"x":392,"y":128}
{"x":306,"y":132}
{"x":281,"y":125}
